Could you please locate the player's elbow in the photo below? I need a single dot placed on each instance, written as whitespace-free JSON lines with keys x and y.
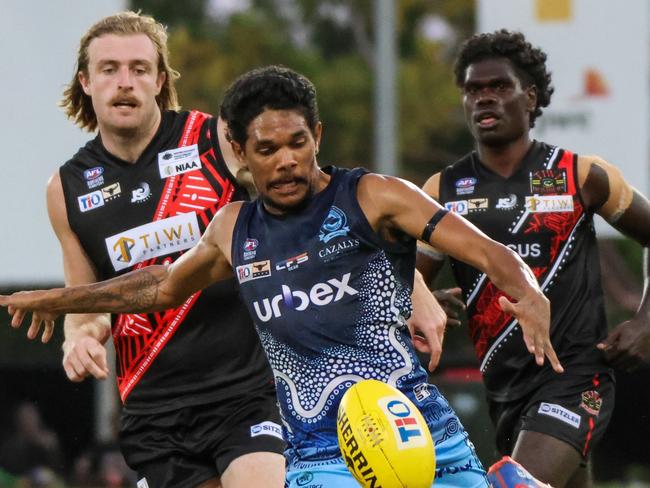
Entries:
{"x":173,"y":292}
{"x":171,"y":301}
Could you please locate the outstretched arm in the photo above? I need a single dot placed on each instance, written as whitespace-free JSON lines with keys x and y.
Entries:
{"x":394,"y":204}
{"x":146,"y":290}
{"x":605,"y":191}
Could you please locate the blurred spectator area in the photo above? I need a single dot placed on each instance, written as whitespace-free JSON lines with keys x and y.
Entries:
{"x":31,"y":374}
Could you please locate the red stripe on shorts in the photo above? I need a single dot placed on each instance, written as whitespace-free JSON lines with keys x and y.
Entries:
{"x":596,"y":382}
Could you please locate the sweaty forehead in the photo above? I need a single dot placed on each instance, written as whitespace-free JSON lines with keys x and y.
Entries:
{"x":274,"y":124}
{"x":122,"y":48}
{"x":490,"y":69}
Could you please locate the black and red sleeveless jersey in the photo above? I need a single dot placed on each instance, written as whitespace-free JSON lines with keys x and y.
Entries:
{"x":538,"y":212}
{"x":127,"y":216}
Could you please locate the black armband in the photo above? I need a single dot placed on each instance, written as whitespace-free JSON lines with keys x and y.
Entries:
{"x":431,"y":225}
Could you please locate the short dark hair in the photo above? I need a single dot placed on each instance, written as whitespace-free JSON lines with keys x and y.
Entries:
{"x":268,"y":88}
{"x":529,"y":62}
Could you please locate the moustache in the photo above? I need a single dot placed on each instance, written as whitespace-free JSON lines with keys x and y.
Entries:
{"x":124,"y":100}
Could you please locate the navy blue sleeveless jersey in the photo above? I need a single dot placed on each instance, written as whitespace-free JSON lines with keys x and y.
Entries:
{"x":537,"y":212}
{"x":329,"y":298}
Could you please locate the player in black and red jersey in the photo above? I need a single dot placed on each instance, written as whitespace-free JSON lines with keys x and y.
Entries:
{"x":199,"y":406}
{"x":539,"y":200}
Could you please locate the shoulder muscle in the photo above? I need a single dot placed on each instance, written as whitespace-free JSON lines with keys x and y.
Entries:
{"x":603,"y":187}
{"x":432,"y":186}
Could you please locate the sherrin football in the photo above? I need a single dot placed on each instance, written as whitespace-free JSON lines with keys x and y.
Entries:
{"x":383,"y":438}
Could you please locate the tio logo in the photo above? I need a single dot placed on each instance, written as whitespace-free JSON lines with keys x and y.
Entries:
{"x":407,"y":425}
{"x":458,"y":207}
{"x":90,"y":201}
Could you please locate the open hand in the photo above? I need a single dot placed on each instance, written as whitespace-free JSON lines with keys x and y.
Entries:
{"x":628,"y":345}
{"x":84,"y":357}
{"x":450,"y":301}
{"x":533,"y":313}
{"x":23,"y":302}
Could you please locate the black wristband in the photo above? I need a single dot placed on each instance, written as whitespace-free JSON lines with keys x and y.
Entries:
{"x":431,"y":225}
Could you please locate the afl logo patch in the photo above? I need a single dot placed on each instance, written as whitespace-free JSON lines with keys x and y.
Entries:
{"x":94,"y":176}
{"x":465,"y":186}
{"x":249,"y":248}
{"x":92,"y":173}
{"x":251,"y":244}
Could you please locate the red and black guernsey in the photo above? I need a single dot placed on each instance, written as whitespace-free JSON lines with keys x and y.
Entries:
{"x":538,"y":212}
{"x":127,"y":216}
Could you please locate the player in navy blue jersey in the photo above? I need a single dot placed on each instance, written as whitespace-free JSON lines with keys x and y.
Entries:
{"x":539,"y":200}
{"x":325,"y":262}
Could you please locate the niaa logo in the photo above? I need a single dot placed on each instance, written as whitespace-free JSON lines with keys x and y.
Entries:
{"x":334,"y":225}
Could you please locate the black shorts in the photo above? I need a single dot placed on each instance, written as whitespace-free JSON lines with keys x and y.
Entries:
{"x":186,"y":447}
{"x":573,"y":408}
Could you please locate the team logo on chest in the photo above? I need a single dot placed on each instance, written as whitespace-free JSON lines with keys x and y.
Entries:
{"x":507,"y":203}
{"x":141,"y":194}
{"x":465,"y":186}
{"x":94,"y":176}
{"x":335,"y":225}
{"x":250,"y":246}
{"x":180,"y":160}
{"x":548,"y":182}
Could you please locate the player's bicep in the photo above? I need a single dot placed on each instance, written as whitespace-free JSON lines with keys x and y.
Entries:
{"x":607,"y":193}
{"x":407,"y":208}
{"x":423,"y":218}
{"x":396,"y":203}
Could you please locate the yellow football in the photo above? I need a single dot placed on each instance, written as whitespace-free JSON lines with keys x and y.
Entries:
{"x":383,"y":438}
